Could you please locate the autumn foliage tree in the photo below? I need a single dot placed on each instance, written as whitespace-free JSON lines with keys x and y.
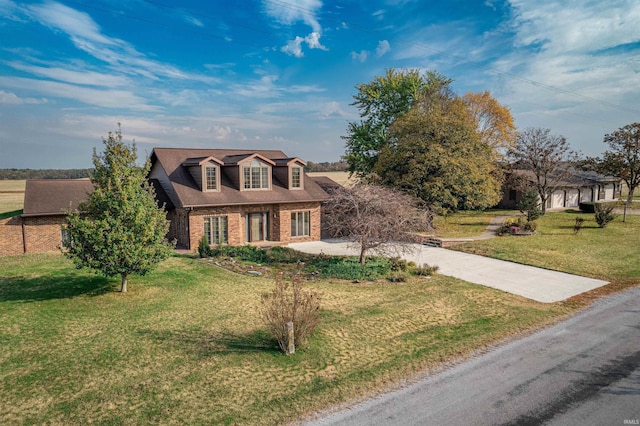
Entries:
{"x":119,"y":230}
{"x":376,"y":217}
{"x":406,"y":126}
{"x":494,"y":121}
{"x":440,"y":158}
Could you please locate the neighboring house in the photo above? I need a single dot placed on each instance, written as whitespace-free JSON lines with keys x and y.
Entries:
{"x":236,"y":196}
{"x":41,"y":227}
{"x":577,"y":188}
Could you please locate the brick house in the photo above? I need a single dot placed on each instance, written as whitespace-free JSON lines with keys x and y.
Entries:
{"x":40,"y":228}
{"x":231,"y":197}
{"x":236,"y":196}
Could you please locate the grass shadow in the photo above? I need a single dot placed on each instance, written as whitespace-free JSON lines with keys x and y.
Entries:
{"x":42,"y":288}
{"x":204,"y":344}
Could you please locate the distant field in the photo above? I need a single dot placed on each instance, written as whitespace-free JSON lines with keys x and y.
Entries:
{"x":339,"y":177}
{"x":12,"y":185}
{"x":11,"y":195}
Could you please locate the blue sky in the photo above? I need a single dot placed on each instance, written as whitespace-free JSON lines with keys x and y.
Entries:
{"x":281,"y":73}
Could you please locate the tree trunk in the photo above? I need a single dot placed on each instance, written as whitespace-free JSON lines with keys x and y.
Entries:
{"x":123,"y":287}
{"x":363,"y":251}
{"x":630,"y":197}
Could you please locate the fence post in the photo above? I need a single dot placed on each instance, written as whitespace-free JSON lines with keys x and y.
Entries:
{"x":292,"y":345}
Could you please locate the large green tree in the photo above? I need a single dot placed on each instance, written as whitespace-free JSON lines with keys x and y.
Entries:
{"x":119,"y":230}
{"x":440,"y":157}
{"x":381,"y":102}
{"x":622,"y":159}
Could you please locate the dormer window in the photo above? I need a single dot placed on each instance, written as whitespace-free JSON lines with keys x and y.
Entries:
{"x":211,"y":178}
{"x":256,"y":175}
{"x":296,"y":177}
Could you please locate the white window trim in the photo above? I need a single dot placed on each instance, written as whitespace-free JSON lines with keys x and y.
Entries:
{"x":204,"y":177}
{"x":251,"y":167}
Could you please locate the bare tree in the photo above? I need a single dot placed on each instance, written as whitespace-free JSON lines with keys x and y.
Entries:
{"x":548,"y":157}
{"x":376,"y":217}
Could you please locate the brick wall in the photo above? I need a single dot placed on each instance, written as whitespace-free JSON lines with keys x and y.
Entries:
{"x":42,"y":234}
{"x":234,"y":224}
{"x":284,"y":215}
{"x":279,"y":222}
{"x":11,"y":236}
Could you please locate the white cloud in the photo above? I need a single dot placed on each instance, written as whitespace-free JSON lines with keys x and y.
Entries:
{"x":288,"y":14}
{"x":84,"y":77}
{"x":87,"y":36}
{"x":566,"y":53}
{"x":104,"y":98}
{"x":294,"y":47}
{"x":383,"y":48}
{"x":12,"y":98}
{"x":360,"y":57}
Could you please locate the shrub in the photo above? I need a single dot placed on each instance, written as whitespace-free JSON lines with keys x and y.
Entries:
{"x":289,"y":302}
{"x":530,"y":205}
{"x":531,"y":226}
{"x":587,"y":207}
{"x":578,"y":225}
{"x":425,"y":270}
{"x":203,"y":247}
{"x":398,"y":264}
{"x":604,"y":214}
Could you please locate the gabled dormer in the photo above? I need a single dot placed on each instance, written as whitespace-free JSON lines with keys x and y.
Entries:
{"x":290,"y":171}
{"x":205,"y":172}
{"x":252,"y":172}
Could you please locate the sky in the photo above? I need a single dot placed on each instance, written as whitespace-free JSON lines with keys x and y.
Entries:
{"x":281,"y":74}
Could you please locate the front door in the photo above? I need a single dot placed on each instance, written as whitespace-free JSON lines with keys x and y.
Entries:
{"x":257,"y":226}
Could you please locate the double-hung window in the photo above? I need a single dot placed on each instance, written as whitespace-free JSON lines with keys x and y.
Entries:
{"x":300,"y":224}
{"x":216,"y":230}
{"x":296,"y":177}
{"x":211,"y":178}
{"x":256,"y":176}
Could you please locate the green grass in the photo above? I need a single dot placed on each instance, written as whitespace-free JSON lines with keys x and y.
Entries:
{"x":610,"y":253}
{"x":465,"y":224}
{"x":186,"y":345}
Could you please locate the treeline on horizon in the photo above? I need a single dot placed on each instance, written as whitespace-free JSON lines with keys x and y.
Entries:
{"x":23,"y":174}
{"x":334,"y":166}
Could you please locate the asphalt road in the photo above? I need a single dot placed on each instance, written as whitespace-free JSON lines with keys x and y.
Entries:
{"x":583,"y":371}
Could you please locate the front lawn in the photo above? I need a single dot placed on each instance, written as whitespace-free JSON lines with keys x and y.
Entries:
{"x":610,"y":253}
{"x":466,"y":224}
{"x":186,"y":345}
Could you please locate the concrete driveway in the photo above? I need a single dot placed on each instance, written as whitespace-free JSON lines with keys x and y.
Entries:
{"x":533,"y":283}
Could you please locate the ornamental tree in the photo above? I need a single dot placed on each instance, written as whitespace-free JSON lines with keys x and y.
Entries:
{"x":376,"y":217}
{"x":119,"y":230}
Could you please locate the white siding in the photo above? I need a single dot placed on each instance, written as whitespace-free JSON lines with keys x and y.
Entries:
{"x":572,"y":197}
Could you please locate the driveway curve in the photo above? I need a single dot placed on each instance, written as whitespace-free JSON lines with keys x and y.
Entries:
{"x":538,"y":284}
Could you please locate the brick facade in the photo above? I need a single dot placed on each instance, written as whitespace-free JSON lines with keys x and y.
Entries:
{"x":38,"y":234}
{"x":43,"y":233}
{"x":279,"y":223}
{"x":11,"y":241}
